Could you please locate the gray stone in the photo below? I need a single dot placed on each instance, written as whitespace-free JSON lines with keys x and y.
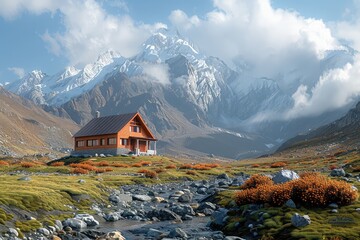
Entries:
{"x":142,"y":198}
{"x":88,"y":219}
{"x":14,"y":232}
{"x":218,"y":218}
{"x":300,"y":221}
{"x":334,"y":211}
{"x":118,"y":197}
{"x":129,"y":213}
{"x":333,"y":205}
{"x":183,"y":210}
{"x":290,"y":204}
{"x":285,"y":176}
{"x":233,"y":238}
{"x":58,"y":224}
{"x":74,"y":223}
{"x":44,"y":231}
{"x":339,"y":172}
{"x":115,"y":235}
{"x":82,"y":181}
{"x":207,"y":211}
{"x":205,"y":205}
{"x":185,"y":198}
{"x":187,"y":217}
{"x":178,"y":233}
{"x":201,"y":190}
{"x":154,"y":234}
{"x":25,"y":178}
{"x":102,"y":155}
{"x":163,"y":215}
{"x":112,"y":217}
{"x":223,"y":176}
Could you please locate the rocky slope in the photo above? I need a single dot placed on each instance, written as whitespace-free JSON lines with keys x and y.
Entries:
{"x":27,"y":129}
{"x":344,"y":131}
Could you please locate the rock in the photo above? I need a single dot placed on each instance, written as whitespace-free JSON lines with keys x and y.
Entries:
{"x":300,"y":221}
{"x":333,"y":205}
{"x":117,"y":197}
{"x":74,"y":223}
{"x":205,"y":205}
{"x":58,"y":224}
{"x":178,"y":233}
{"x":93,"y":234}
{"x":26,"y":178}
{"x":68,"y":229}
{"x":102,"y":155}
{"x":223,"y":176}
{"x":185,"y":198}
{"x":334,"y":211}
{"x":339,"y":172}
{"x":201,"y":190}
{"x":357,"y":209}
{"x":112,"y":217}
{"x":186,"y":217}
{"x":163,"y":215}
{"x":233,"y":238}
{"x":183,"y":210}
{"x":129,"y":213}
{"x":54,"y":237}
{"x":158,"y":200}
{"x":218,"y":218}
{"x":14,"y":232}
{"x":285,"y":176}
{"x":88,"y":219}
{"x":115,"y":235}
{"x":44,"y":231}
{"x":81,"y":181}
{"x":290,"y":204}
{"x":207,"y":211}
{"x":154,"y":234}
{"x":142,"y":198}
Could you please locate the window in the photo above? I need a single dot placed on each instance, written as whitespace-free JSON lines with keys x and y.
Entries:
{"x":124,"y":141}
{"x":135,"y":129}
{"x":111,"y":141}
{"x":80,"y":143}
{"x":102,"y":142}
{"x":89,"y":143}
{"x":95,"y":142}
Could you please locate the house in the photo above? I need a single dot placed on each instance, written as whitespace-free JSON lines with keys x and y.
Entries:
{"x":115,"y":135}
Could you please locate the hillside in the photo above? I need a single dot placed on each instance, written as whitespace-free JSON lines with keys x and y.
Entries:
{"x":27,"y":129}
{"x":342,"y":133}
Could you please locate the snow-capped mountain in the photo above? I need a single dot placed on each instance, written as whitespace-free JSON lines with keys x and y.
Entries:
{"x":180,"y":89}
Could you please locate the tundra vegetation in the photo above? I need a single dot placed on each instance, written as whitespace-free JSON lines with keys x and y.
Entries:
{"x":57,"y":189}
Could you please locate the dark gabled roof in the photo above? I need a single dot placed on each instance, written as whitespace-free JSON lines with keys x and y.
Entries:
{"x":105,"y":125}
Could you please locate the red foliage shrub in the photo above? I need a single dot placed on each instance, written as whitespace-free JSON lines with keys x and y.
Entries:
{"x":136,"y":165}
{"x":356,"y":169}
{"x":171,"y":166}
{"x":100,"y":170}
{"x":191,"y":172}
{"x":108,"y":169}
{"x":145,"y":163}
{"x":57,"y":164}
{"x":27,"y":164}
{"x":103,"y":164}
{"x":311,"y":189}
{"x":255,"y":165}
{"x":332,"y":167}
{"x":90,"y":162}
{"x":83,"y":166}
{"x":278,"y":165}
{"x":256,"y":180}
{"x":201,"y":167}
{"x":159,"y":170}
{"x":120,"y":165}
{"x":186,"y":166}
{"x":79,"y":171}
{"x":4,"y":163}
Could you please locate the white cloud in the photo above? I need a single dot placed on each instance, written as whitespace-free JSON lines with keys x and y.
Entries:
{"x":335,"y":89}
{"x":19,"y":72}
{"x":157,"y":72}
{"x":254,"y":32}
{"x":89,"y":29}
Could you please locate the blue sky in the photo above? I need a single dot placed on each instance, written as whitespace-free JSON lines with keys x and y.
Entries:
{"x":41,"y":34}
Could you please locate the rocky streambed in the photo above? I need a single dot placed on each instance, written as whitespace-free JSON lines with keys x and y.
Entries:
{"x":178,"y":210}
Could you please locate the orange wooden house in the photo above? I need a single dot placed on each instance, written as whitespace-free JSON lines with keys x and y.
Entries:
{"x":115,"y":135}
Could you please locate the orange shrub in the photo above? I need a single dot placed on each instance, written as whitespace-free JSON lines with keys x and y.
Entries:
{"x":57,"y":164}
{"x":120,"y":165}
{"x":255,"y":165}
{"x":90,"y":162}
{"x":151,"y":174}
{"x":145,"y":163}
{"x":159,"y":170}
{"x":356,"y":169}
{"x":108,"y":169}
{"x":256,"y":180}
{"x":103,"y":164}
{"x":79,"y":171}
{"x":191,"y":172}
{"x":3,"y":163}
{"x":136,"y":165}
{"x":83,"y":166}
{"x":186,"y":166}
{"x":311,"y":189}
{"x":100,"y":170}
{"x":278,"y":165}
{"x":201,"y":167}
{"x":171,"y":166}
{"x":27,"y":164}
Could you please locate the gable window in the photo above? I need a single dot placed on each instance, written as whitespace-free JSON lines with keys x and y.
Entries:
{"x":89,"y":143}
{"x":111,"y":141}
{"x":102,"y":142}
{"x":135,"y":129}
{"x":124,"y":141}
{"x":80,"y":143}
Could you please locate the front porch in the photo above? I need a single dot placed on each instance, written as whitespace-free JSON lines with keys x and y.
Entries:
{"x":142,"y":146}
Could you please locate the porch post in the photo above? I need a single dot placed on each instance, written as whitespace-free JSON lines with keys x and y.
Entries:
{"x":147,"y":145}
{"x":155,"y":147}
{"x":137,"y":147}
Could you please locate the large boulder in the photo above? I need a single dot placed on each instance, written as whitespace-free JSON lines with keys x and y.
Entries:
{"x":142,"y":198}
{"x":115,"y":235}
{"x":88,"y":219}
{"x":163,"y":215}
{"x":285,"y":176}
{"x":112,"y":216}
{"x":183,"y":210}
{"x":74,"y":223}
{"x":218,"y":218}
{"x":185,"y":198}
{"x":339,"y":172}
{"x":300,"y":221}
{"x":178,"y":233}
